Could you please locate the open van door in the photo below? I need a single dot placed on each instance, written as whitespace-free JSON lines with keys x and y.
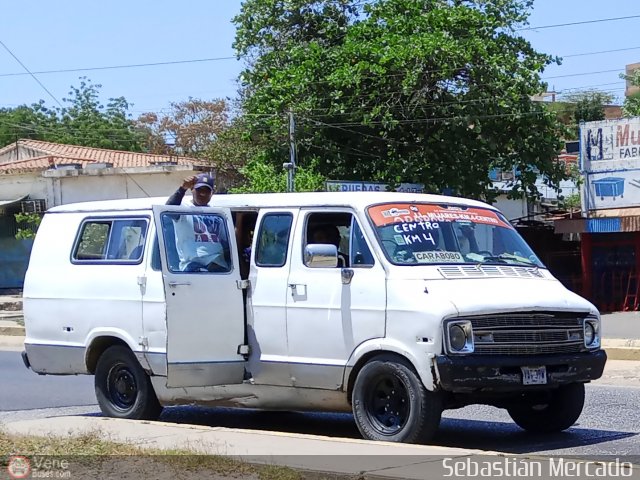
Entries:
{"x":205,"y":316}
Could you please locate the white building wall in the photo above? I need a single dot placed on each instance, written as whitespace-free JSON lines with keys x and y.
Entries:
{"x":16,"y":186}
{"x":59,"y":187}
{"x":511,"y":208}
{"x":517,"y":208}
{"x":84,"y":188}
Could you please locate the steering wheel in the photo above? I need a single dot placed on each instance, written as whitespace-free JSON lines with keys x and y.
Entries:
{"x":392,"y":247}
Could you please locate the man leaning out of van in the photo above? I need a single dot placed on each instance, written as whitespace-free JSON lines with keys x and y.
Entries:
{"x":196,"y":237}
{"x":201,"y":189}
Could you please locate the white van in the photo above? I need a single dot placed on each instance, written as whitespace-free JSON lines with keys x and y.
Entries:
{"x":410,"y":304}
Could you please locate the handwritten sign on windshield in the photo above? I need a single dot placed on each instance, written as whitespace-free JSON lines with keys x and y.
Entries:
{"x":428,"y":214}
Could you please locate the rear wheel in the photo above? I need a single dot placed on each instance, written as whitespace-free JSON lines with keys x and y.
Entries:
{"x":391,"y":404}
{"x":558,"y":412}
{"x":123,"y":388}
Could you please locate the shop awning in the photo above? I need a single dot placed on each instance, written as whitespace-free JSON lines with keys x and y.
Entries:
{"x":12,"y":201}
{"x":615,"y":212}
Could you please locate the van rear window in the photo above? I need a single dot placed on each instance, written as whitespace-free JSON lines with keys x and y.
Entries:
{"x":110,"y":240}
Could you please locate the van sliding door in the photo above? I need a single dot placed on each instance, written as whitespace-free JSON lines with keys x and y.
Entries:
{"x":205,"y":320}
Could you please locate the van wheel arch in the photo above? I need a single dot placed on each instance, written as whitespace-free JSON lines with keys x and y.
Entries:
{"x":369,"y":357}
{"x":97,"y":348}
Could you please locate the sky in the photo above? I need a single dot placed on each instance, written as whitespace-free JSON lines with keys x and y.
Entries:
{"x":80,"y":34}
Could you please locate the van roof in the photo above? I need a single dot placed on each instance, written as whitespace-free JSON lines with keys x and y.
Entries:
{"x":254,"y":200}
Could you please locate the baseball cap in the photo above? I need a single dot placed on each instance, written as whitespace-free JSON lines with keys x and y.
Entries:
{"x":204,"y":180}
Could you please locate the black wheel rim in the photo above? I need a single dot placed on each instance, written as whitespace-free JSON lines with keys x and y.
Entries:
{"x":387,"y":404}
{"x":122,"y":387}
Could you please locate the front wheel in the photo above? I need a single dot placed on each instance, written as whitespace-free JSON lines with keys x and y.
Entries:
{"x":123,"y":389}
{"x":391,"y":404}
{"x":557,"y":413}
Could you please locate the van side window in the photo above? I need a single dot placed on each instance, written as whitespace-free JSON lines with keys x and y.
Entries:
{"x":93,"y":241}
{"x":196,"y":242}
{"x":273,"y":240}
{"x":111,"y":240}
{"x":332,"y":228}
{"x":155,"y":255}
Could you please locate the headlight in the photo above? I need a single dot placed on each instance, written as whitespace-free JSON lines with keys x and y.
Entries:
{"x":591,"y":333}
{"x":459,"y":336}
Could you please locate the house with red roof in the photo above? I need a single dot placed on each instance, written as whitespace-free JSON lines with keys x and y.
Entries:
{"x":36,"y":175}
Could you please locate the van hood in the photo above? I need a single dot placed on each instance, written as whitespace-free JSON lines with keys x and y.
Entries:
{"x":492,"y":295}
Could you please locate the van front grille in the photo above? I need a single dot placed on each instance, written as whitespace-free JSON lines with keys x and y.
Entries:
{"x":528,"y":333}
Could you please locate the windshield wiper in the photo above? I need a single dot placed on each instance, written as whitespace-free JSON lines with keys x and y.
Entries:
{"x":503,"y":257}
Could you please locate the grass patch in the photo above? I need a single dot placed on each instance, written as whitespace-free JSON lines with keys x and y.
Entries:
{"x":89,"y":456}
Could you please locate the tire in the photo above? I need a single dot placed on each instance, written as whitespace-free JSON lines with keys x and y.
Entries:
{"x":123,"y":388}
{"x":559,"y":412}
{"x":391,"y":404}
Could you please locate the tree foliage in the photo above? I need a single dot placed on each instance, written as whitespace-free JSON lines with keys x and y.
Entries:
{"x":583,"y":106}
{"x":189,"y":127}
{"x":82,"y":121}
{"x":35,"y":122}
{"x":28,"y":224}
{"x":631,"y":107}
{"x":430,"y":91}
{"x":589,"y":105}
{"x":263,"y":177}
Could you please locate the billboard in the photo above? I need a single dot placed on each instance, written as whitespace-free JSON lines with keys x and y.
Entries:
{"x":610,"y":161}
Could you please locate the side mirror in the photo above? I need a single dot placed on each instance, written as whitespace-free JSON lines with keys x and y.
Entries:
{"x":321,"y":255}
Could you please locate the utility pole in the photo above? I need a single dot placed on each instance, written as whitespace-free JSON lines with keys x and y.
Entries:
{"x":291,"y":165}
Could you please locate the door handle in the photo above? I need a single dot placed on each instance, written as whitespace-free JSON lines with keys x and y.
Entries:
{"x":173,"y":283}
{"x":294,"y":289}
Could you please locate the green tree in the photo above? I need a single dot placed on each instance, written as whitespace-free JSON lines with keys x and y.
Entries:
{"x":589,"y":104}
{"x":28,"y":224}
{"x":234,"y":149}
{"x":35,"y":122}
{"x":631,"y":107}
{"x":87,"y":122}
{"x":430,"y":91}
{"x":263,"y":177}
{"x":82,"y":121}
{"x":565,"y":113}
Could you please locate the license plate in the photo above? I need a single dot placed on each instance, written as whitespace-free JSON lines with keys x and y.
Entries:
{"x":534,"y":375}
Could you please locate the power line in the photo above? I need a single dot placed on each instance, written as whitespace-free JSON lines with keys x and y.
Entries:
{"x":599,"y":20}
{"x":29,"y":72}
{"x":598,"y":53}
{"x":114,"y":67}
{"x":582,"y":74}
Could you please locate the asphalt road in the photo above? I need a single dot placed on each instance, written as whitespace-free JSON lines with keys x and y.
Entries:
{"x":609,"y":425}
{"x":24,"y":390}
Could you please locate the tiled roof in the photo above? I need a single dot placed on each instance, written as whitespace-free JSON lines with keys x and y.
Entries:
{"x":51,"y":154}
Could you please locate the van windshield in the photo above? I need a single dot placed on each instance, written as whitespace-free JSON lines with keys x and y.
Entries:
{"x":427,"y":233}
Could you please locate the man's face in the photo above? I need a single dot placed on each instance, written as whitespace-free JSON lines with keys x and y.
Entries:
{"x":202,"y":195}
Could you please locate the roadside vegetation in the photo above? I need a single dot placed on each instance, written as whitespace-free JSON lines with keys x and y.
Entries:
{"x":89,"y":455}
